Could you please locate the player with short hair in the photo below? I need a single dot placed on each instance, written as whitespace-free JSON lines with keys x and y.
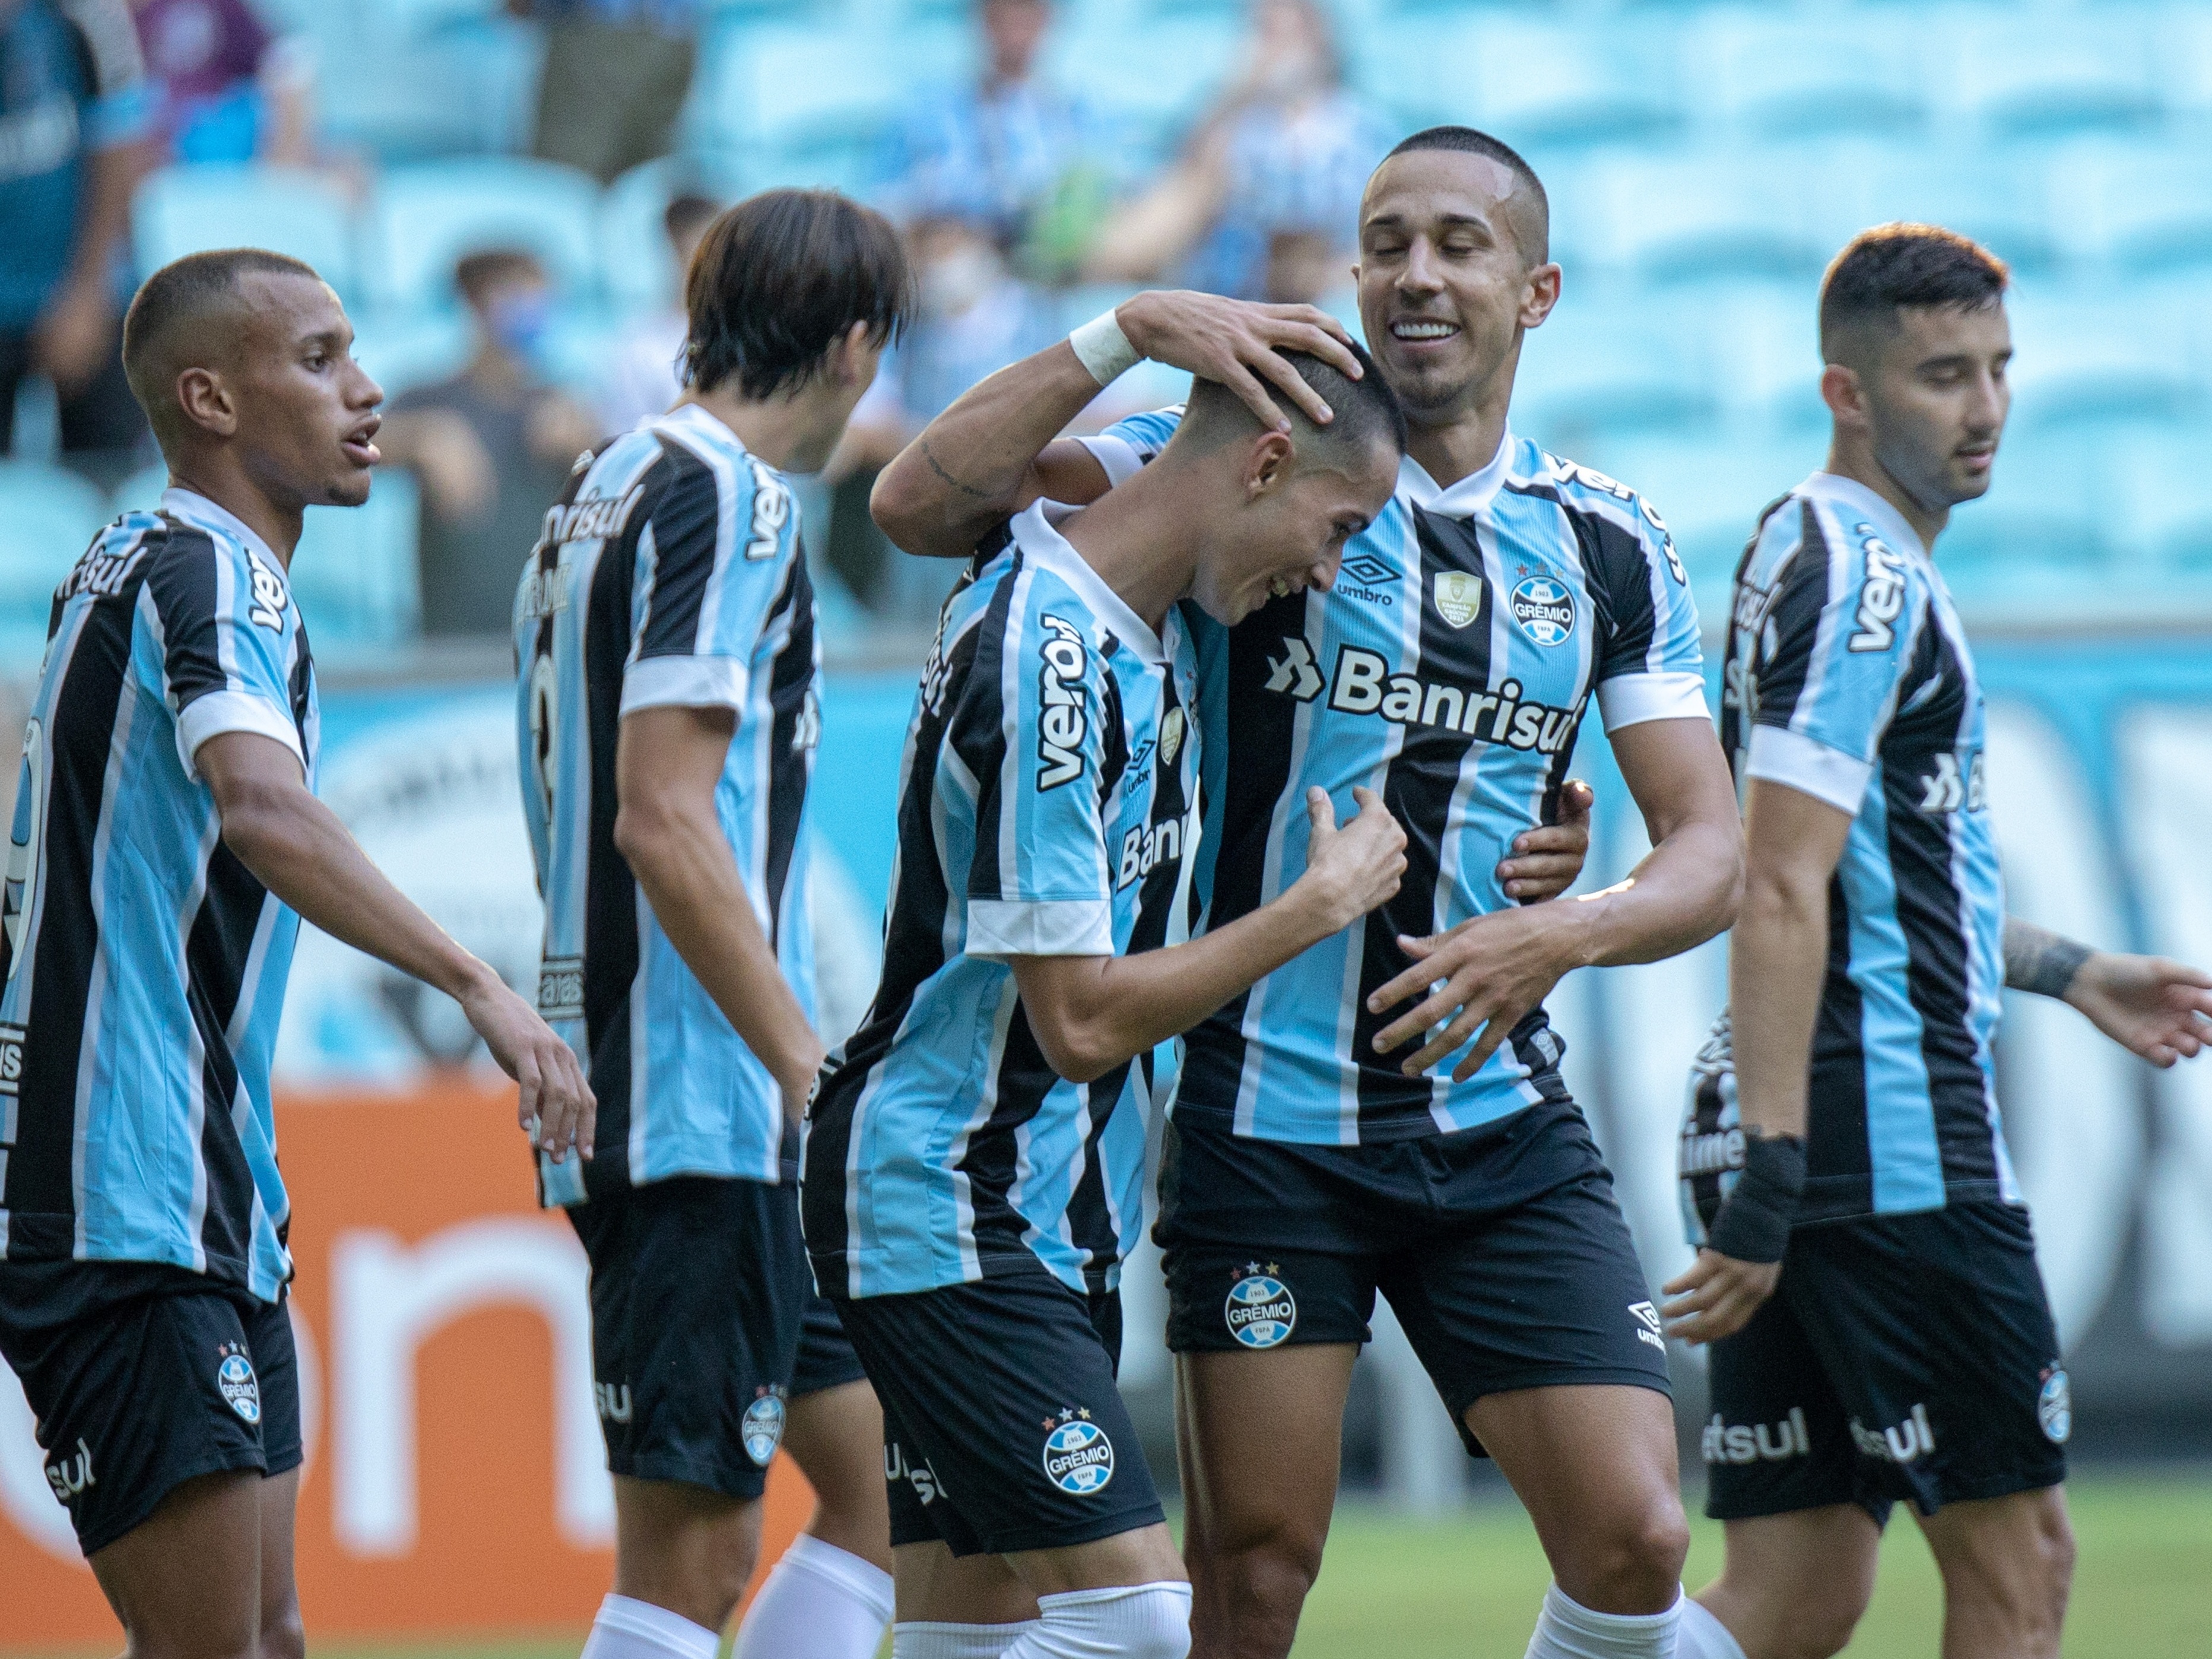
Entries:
{"x":166,"y":842}
{"x":975,"y":1153}
{"x":668,"y":712}
{"x":1866,"y":1272}
{"x":1386,"y":1112}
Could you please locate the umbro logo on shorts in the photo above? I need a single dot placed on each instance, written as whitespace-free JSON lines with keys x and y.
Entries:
{"x":1648,"y":1327}
{"x":1079,"y":1458}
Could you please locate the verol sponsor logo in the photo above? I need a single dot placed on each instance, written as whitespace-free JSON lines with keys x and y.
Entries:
{"x":1881,"y":594}
{"x":1064,"y":721}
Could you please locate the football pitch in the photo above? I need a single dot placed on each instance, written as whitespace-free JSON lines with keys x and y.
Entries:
{"x":1468,"y":1588}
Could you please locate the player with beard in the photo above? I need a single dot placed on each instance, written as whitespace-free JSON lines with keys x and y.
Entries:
{"x":1866,"y":1273}
{"x":1386,"y":1112}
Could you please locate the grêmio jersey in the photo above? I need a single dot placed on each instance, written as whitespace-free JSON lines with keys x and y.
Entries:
{"x":145,"y":964}
{"x":1848,"y":679}
{"x":1448,"y":671}
{"x":668,"y":574}
{"x":1046,"y":808}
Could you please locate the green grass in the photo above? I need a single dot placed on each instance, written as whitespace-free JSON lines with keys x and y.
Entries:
{"x":1468,"y":1587}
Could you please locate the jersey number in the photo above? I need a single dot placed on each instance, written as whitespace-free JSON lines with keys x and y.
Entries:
{"x":545,"y":732}
{"x":25,"y":844}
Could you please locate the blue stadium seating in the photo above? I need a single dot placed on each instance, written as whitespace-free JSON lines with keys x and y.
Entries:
{"x":2087,"y":363}
{"x":2020,"y":78}
{"x":356,"y":574}
{"x":51,"y":515}
{"x":2153,"y":487}
{"x":1545,"y":86}
{"x":1772,"y":76}
{"x":188,"y":209}
{"x":1709,"y":493}
{"x":424,"y":218}
{"x":1665,"y":222}
{"x":2136,"y":209}
{"x":1593,"y":370}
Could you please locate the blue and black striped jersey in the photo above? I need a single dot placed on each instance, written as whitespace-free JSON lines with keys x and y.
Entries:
{"x":1046,"y":808}
{"x":1847,"y":679}
{"x":669,"y":575}
{"x":145,"y":964}
{"x":1448,"y":671}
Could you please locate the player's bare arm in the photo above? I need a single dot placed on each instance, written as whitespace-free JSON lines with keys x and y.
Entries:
{"x":296,"y":847}
{"x":1092,"y":1014}
{"x":994,"y":451}
{"x":1485,"y":974}
{"x":2151,"y":1006}
{"x":668,"y":764}
{"x":1777,"y":961}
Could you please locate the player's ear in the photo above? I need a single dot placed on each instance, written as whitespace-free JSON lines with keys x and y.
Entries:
{"x":206,"y":402}
{"x":848,"y":356}
{"x":1845,"y":394}
{"x":1267,"y":463}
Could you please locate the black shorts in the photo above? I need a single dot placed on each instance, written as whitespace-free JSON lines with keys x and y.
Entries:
{"x":1002,"y":1428}
{"x":142,"y":1377}
{"x":704,"y":1325}
{"x":1901,"y":1357}
{"x":1501,"y":1249}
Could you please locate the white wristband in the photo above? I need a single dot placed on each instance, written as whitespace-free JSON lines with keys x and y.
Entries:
{"x":1105,"y":349}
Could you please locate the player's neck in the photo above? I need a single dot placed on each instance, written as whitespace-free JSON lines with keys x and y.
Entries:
{"x":1856,"y":461}
{"x":778,"y":431}
{"x":1142,"y":543}
{"x":1458,"y":444}
{"x":219,"y":477}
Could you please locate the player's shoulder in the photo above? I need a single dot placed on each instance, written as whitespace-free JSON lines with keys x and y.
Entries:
{"x":1631,"y":538}
{"x":1580,"y":488}
{"x":1856,"y":536}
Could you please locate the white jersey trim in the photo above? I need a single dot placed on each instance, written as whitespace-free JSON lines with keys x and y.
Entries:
{"x":999,"y":928}
{"x":218,"y":712}
{"x":1116,"y":457}
{"x":1808,"y":766}
{"x":685,"y":682}
{"x":1628,"y":700}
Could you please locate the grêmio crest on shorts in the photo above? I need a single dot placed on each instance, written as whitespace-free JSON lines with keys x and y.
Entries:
{"x":1046,"y":808}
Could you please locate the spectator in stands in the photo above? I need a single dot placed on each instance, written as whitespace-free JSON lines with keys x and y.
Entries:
{"x":225,"y":87}
{"x":492,"y":447}
{"x":1026,"y":160}
{"x":1276,"y":164}
{"x":73,"y":121}
{"x":641,"y":379}
{"x":616,"y":74}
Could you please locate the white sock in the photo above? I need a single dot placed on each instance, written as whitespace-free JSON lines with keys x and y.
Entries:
{"x":1568,"y":1630}
{"x":920,"y":1639}
{"x":819,"y":1602}
{"x":1136,"y":1621}
{"x":629,"y":1629}
{"x":1703,"y":1636}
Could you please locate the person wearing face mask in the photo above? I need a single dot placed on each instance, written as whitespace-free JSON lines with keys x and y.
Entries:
{"x":492,"y":447}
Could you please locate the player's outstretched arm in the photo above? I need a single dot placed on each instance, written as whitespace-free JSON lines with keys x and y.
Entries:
{"x":993,"y":452}
{"x":668,"y":764}
{"x":2158,"y":1009}
{"x":1483,"y":975}
{"x":296,"y":847}
{"x":1548,"y":859}
{"x":1778,"y":963}
{"x":1091,"y":1013}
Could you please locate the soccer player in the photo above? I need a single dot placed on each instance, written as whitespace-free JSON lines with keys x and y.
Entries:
{"x":1867,"y":1275}
{"x":975,"y":1153}
{"x":166,"y":843}
{"x":1386,"y":1113}
{"x":667,"y":659}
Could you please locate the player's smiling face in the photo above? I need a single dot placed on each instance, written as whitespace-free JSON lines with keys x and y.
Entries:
{"x":1937,"y":398}
{"x":306,"y":411}
{"x":1445,"y":286}
{"x":1291,"y":531}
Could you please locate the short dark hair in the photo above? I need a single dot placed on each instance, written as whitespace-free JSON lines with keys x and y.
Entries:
{"x":780,"y":278}
{"x":180,"y":294}
{"x":1470,"y":142}
{"x":488,"y":267}
{"x":1363,"y":412}
{"x":1891,"y":266}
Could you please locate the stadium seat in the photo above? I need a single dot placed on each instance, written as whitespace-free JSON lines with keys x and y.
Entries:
{"x":1698,"y":219}
{"x":2137,"y":210}
{"x":2088,"y":362}
{"x":1710,"y":492}
{"x":639,"y":271}
{"x":1540,"y":85}
{"x":424,"y":218}
{"x":2017,"y":78}
{"x":1775,"y":77}
{"x":468,"y":88}
{"x":783,"y":89}
{"x":189,"y":209}
{"x":48,"y":516}
{"x":356,"y":574}
{"x":1763,"y":342}
{"x":2041,"y":532}
{"x":2155,"y":490}
{"x":1999,"y":197}
{"x":403,"y":349}
{"x":1592,"y":372}
{"x":1157,"y":77}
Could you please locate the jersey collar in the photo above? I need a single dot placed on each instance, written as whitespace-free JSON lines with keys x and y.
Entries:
{"x":1851,"y":495}
{"x":1463,"y":499}
{"x":192,"y":506}
{"x":1042,"y":543}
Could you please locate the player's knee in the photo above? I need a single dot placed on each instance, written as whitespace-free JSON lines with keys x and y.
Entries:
{"x":1265,"y":1569}
{"x":1634,"y":1564}
{"x":283,"y":1635}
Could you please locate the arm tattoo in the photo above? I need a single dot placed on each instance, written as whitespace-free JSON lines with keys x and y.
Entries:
{"x":965,"y":488}
{"x":2039,"y":960}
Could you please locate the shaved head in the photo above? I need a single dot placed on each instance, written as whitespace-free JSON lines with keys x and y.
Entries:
{"x":1366,"y":413}
{"x":1527,"y":206}
{"x":193,"y":314}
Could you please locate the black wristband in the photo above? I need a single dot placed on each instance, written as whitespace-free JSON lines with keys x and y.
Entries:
{"x":1753,"y":1223}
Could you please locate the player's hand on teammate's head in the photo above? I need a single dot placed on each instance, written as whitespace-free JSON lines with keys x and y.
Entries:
{"x":1358,"y":867}
{"x":557,"y":1110}
{"x":2150,"y":1005}
{"x":1548,"y":859}
{"x":1716,"y":1296}
{"x":1236,"y":342}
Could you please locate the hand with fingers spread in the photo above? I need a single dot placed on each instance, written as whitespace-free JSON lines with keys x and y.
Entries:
{"x":557,"y":1110}
{"x":1483,"y":975}
{"x":1547,"y":860}
{"x":1236,"y":342}
{"x":1350,"y":871}
{"x":2150,"y":1006}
